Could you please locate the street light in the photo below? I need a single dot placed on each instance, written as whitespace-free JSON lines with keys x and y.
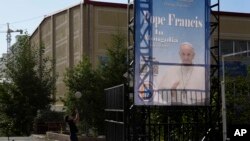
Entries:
{"x":223,"y":97}
{"x":78,"y":94}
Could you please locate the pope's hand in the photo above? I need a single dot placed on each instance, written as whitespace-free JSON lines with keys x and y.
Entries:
{"x":175,"y":85}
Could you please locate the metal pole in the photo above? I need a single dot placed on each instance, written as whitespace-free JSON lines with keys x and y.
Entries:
{"x":223,"y":100}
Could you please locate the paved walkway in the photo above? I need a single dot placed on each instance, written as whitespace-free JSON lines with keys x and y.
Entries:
{"x":31,"y":138}
{"x":15,"y":139}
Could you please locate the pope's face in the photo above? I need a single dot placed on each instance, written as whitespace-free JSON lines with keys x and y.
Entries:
{"x":186,"y":54}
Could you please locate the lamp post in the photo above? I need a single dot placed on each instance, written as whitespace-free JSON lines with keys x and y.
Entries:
{"x":78,"y":94}
{"x":223,"y":97}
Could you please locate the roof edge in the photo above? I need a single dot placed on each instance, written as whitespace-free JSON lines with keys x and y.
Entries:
{"x":109,"y":4}
{"x":235,"y":14}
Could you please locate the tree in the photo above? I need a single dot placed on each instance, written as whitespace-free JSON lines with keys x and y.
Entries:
{"x":83,"y":78}
{"x":28,"y":88}
{"x":116,"y":66}
{"x":91,"y":83}
{"x":237,"y":98}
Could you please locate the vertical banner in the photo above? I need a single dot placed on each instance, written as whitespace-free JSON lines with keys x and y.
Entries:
{"x":172,"y":52}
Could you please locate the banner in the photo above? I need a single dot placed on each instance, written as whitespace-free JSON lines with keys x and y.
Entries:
{"x":172,"y":52}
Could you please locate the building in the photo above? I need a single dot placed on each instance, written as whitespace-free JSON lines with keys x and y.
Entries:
{"x":86,"y":29}
{"x":235,"y":37}
{"x":83,"y":29}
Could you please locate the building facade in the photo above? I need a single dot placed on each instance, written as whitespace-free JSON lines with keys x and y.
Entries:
{"x":86,"y":29}
{"x":81,"y":30}
{"x":235,"y":38}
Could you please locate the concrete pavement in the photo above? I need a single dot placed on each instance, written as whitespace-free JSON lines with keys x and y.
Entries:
{"x":31,"y":138}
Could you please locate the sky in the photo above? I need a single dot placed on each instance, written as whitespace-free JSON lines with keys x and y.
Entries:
{"x":28,"y":14}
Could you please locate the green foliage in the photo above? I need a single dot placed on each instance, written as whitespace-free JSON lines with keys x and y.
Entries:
{"x":5,"y":123}
{"x":237,"y":96}
{"x":116,"y":65}
{"x":45,"y":117}
{"x":84,"y":79}
{"x":29,"y":86}
{"x":91,"y":83}
{"x":49,"y":116}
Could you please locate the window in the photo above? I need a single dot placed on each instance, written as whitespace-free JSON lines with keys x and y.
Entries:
{"x":248,"y":45}
{"x":234,"y":46}
{"x":226,"y":47}
{"x":103,"y":60}
{"x":240,"y":46}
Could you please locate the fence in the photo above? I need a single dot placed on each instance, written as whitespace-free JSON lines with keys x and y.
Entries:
{"x":42,"y":128}
{"x":156,"y":123}
{"x":115,"y":126}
